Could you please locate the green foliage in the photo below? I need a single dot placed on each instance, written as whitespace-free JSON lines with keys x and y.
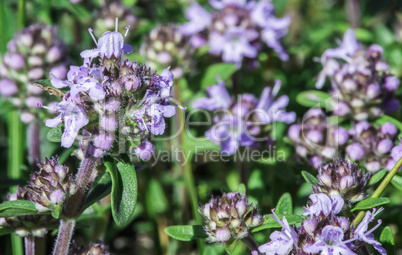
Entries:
{"x":370,"y":203}
{"x":377,"y":177}
{"x":310,"y":179}
{"x":186,"y":232}
{"x":124,"y":191}
{"x":220,"y":71}
{"x":387,"y":240}
{"x":397,"y":182}
{"x":230,"y":245}
{"x":386,"y":118}
{"x":284,"y":205}
{"x":314,"y":98}
{"x":271,"y":223}
{"x":17,"y":208}
{"x":100,"y":189}
{"x":54,"y":134}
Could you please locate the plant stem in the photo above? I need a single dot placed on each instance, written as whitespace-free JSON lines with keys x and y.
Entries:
{"x":15,"y":152}
{"x":353,"y":12}
{"x":185,"y":163}
{"x":380,"y":189}
{"x":84,"y":179}
{"x":251,"y":243}
{"x":34,"y":144}
{"x":29,"y":245}
{"x":21,"y":14}
{"x":66,"y":230}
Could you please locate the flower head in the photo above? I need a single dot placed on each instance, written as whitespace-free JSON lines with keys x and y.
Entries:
{"x":236,"y":29}
{"x":229,"y":216}
{"x":243,"y":122}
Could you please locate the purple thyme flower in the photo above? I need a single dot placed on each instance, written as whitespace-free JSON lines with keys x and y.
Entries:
{"x":242,"y":122}
{"x":110,"y":44}
{"x":362,"y":233}
{"x":282,"y":242}
{"x":110,"y":94}
{"x":74,"y":118}
{"x":323,"y":204}
{"x":330,"y":242}
{"x":362,"y":87}
{"x":236,"y":28}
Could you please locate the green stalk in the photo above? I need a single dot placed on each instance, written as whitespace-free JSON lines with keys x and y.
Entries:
{"x":15,"y":158}
{"x":188,"y":174}
{"x":3,"y":29}
{"x":21,"y":14}
{"x":380,"y":189}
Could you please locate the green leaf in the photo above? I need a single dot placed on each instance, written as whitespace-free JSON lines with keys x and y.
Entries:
{"x":386,"y":118}
{"x":397,"y":182}
{"x":370,"y":203}
{"x":124,"y":191}
{"x":156,"y":199}
{"x":221,"y":70}
{"x":5,"y":106}
{"x":101,"y":190}
{"x":17,"y":208}
{"x":284,"y":205}
{"x":271,"y":223}
{"x":377,"y":177}
{"x":242,"y":188}
{"x":6,"y":231}
{"x":57,"y":211}
{"x":387,"y":240}
{"x":54,"y":134}
{"x":314,"y":98}
{"x":186,"y":232}
{"x":230,"y":245}
{"x":310,"y":179}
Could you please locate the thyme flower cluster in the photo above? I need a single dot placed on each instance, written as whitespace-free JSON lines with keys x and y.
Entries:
{"x":246,"y":121}
{"x":31,"y":55}
{"x":325,"y":231}
{"x":109,"y":96}
{"x":236,"y":28}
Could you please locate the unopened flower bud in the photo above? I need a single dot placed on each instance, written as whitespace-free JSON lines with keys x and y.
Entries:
{"x":355,"y":151}
{"x":384,"y":146}
{"x":229,"y":216}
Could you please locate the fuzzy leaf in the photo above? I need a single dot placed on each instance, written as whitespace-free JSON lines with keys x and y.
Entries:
{"x":271,"y":223}
{"x":310,"y":179}
{"x":221,"y":70}
{"x":230,"y":245}
{"x":314,"y":98}
{"x":54,"y":134}
{"x":124,"y":191}
{"x":186,"y":232}
{"x":284,"y":205}
{"x":370,"y":203}
{"x":397,"y":182}
{"x":377,"y":177}
{"x":17,"y":208}
{"x":387,"y":240}
{"x":101,"y":190}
